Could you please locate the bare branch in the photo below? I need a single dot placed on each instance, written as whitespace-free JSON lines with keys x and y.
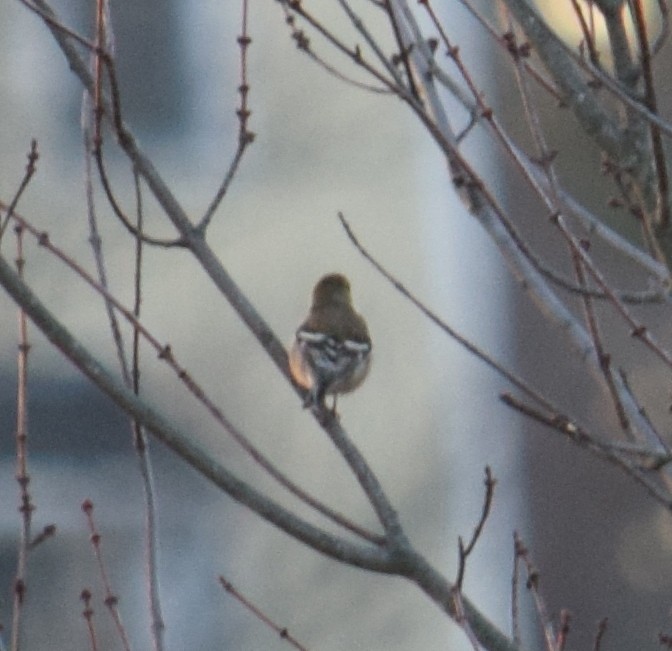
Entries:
{"x":26,"y":504}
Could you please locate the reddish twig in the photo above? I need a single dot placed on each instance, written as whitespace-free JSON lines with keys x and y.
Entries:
{"x":532,"y":584}
{"x":245,"y":136}
{"x":260,"y":615}
{"x":565,"y":618}
{"x":111,"y":599}
{"x":87,"y":614}
{"x":26,"y":505}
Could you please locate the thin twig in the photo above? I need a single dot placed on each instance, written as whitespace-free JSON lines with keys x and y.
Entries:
{"x":353,"y":53}
{"x":111,"y":600}
{"x":87,"y":614}
{"x":637,"y":329}
{"x":606,"y":451}
{"x":563,"y":631}
{"x":656,"y":459}
{"x":371,"y":41}
{"x":588,"y":34}
{"x":604,"y":359}
{"x":103,"y":60}
{"x":26,"y":505}
{"x":501,"y":40}
{"x":601,"y":630}
{"x":245,"y":136}
{"x":48,"y":531}
{"x":31,"y":167}
{"x":532,"y":584}
{"x":515,"y":595}
{"x":402,"y":53}
{"x":660,"y":162}
{"x":141,"y":445}
{"x":303,"y":43}
{"x":105,"y":40}
{"x":465,"y":550}
{"x":119,"y":212}
{"x":260,"y":615}
{"x":463,"y":341}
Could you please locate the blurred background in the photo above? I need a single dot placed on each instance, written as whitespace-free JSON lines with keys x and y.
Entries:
{"x":428,"y":418}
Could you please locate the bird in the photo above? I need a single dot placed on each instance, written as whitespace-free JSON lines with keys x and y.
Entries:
{"x":331,"y":352}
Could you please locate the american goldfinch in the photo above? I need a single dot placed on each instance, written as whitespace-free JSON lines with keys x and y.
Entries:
{"x":331,"y":353}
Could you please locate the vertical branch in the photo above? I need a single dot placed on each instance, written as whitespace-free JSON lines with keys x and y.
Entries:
{"x":130,"y":376}
{"x":601,"y":630}
{"x":533,"y":585}
{"x":243,"y":112}
{"x":142,"y":448}
{"x":515,"y":603}
{"x":26,"y":506}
